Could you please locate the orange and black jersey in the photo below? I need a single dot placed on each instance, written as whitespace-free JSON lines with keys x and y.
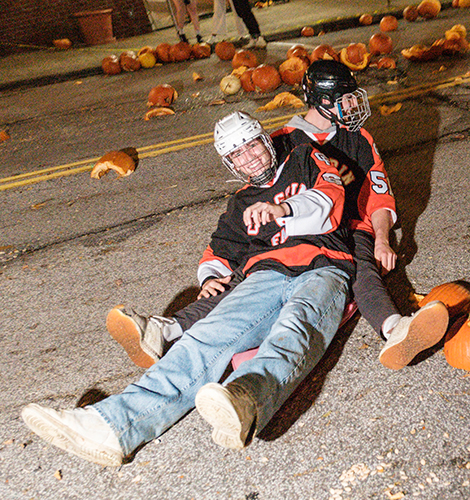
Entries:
{"x":358,"y":162}
{"x":284,"y":245}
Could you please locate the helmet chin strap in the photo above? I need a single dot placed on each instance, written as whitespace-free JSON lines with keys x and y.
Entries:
{"x":329,"y":115}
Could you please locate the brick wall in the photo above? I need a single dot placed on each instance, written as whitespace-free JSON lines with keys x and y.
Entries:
{"x":25,"y":24}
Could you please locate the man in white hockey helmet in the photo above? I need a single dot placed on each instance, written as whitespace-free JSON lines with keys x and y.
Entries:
{"x":283,"y":230}
{"x":239,"y":137}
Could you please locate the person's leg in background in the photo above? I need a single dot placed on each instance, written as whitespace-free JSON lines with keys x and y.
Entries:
{"x":180,"y":17}
{"x":191,"y":7}
{"x":239,"y":24}
{"x":219,"y":21}
{"x":243,"y":9}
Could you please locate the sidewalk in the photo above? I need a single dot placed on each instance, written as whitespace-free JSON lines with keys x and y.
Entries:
{"x":277,"y":22}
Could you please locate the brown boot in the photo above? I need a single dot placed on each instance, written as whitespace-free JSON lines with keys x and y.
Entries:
{"x":141,"y":337}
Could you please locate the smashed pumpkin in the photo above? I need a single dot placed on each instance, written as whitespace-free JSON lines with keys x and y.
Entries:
{"x":457,"y":344}
{"x":455,"y":295}
{"x":355,"y":56}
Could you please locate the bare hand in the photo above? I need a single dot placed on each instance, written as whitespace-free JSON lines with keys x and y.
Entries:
{"x":214,"y":287}
{"x":263,"y":212}
{"x":384,"y":255}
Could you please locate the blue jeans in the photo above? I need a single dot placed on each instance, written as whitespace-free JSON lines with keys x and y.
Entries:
{"x":292,"y":319}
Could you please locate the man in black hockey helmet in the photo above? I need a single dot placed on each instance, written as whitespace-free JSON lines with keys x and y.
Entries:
{"x":332,"y":90}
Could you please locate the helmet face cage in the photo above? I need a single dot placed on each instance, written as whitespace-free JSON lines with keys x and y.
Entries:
{"x":236,"y":130}
{"x":266,"y":175}
{"x":353,"y":109}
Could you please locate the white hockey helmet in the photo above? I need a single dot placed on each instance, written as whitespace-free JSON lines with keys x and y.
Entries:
{"x":234,"y":131}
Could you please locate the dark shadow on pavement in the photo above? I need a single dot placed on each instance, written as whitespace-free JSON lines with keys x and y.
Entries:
{"x":180,"y":301}
{"x":410,"y":173}
{"x":308,"y":391}
{"x":91,"y":396}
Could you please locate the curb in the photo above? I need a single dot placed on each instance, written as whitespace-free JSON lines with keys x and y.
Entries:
{"x":50,"y":79}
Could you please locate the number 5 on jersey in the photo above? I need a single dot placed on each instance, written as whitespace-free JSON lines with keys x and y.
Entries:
{"x":379,"y":182}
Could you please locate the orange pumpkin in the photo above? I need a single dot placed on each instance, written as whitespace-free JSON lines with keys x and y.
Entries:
{"x":297,"y":50}
{"x":111,"y":65}
{"x":455,"y":295}
{"x":292,"y":70}
{"x":388,"y":23}
{"x":225,"y":50}
{"x":324,"y":51}
{"x":429,"y":9}
{"x":410,"y":13}
{"x":365,"y":19}
{"x":201,"y":50}
{"x":162,"y":52}
{"x":307,"y":31}
{"x":63,"y":43}
{"x":246,"y":80}
{"x":266,"y":78}
{"x":129,"y":61}
{"x":380,"y":43}
{"x":180,"y":51}
{"x":457,"y":344}
{"x":244,"y":57}
{"x":162,"y":95}
{"x":355,"y":56}
{"x":386,"y":62}
{"x":423,"y":52}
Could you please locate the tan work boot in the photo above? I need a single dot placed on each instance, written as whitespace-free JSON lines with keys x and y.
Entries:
{"x":413,"y":334}
{"x":231,"y":412}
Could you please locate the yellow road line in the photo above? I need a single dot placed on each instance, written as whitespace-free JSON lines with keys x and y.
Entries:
{"x":202,"y":139}
{"x":418,"y":90}
{"x":46,"y":177}
{"x":144,"y":152}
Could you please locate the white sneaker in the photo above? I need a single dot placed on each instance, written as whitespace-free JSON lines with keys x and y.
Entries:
{"x":250,"y":44}
{"x":413,"y":334}
{"x":260,"y":43}
{"x":231,"y":412}
{"x":256,"y":43}
{"x":82,"y":431}
{"x":142,"y":338}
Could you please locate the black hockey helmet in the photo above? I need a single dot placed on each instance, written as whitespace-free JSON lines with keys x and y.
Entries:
{"x":325,"y":83}
{"x":327,"y":80}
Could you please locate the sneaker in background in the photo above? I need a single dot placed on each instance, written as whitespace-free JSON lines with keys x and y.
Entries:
{"x":413,"y":334}
{"x":183,"y":37}
{"x":260,"y":43}
{"x":255,"y":43}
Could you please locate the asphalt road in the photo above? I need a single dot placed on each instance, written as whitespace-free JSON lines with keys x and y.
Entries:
{"x":74,"y":247}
